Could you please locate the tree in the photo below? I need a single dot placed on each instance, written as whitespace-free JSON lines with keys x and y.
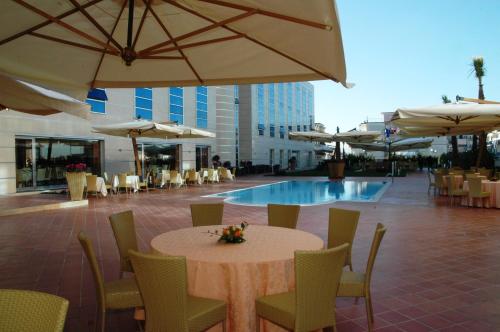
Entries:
{"x":337,"y":148}
{"x":479,"y":71}
{"x":454,"y":143}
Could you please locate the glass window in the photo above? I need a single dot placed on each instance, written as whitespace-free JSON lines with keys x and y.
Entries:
{"x":177,"y":105}
{"x":158,"y":157}
{"x":298,"y":127}
{"x":281,"y":109}
{"x":260,"y":109}
{"x":271,"y":130}
{"x":201,"y":107}
{"x":282,"y":132}
{"x":271,"y":108}
{"x":201,"y":157}
{"x":97,"y":106}
{"x":144,"y":103}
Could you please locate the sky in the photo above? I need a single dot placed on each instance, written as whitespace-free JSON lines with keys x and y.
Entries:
{"x":405,"y":53}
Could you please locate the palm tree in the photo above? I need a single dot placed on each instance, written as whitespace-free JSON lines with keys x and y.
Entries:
{"x":479,"y":71}
{"x":454,"y":142}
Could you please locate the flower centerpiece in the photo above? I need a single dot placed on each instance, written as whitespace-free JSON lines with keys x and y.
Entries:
{"x":232,"y":234}
{"x":75,"y":176}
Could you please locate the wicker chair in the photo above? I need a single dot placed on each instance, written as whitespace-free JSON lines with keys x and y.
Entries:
{"x":454,"y":190}
{"x":144,"y":185}
{"x":124,"y":231}
{"x":122,"y":183}
{"x":22,"y":310}
{"x":92,"y":185}
{"x":476,"y":190}
{"x":175,"y":179}
{"x":342,"y":225}
{"x":485,"y":172}
{"x":108,"y":183}
{"x":354,"y":284}
{"x":119,"y":294}
{"x":191,"y":177}
{"x":162,"y":281}
{"x":312,"y":305}
{"x":207,"y":214}
{"x":283,"y":215}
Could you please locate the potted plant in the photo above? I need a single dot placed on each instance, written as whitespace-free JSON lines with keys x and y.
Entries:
{"x":75,"y":176}
{"x":336,"y":165}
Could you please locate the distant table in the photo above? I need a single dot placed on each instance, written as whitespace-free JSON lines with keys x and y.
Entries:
{"x":458,"y":179}
{"x":493,"y":187}
{"x":101,"y":186}
{"x":238,"y":273}
{"x":132,"y":180}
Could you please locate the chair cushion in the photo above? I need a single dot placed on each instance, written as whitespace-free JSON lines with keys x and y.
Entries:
{"x":351,"y":284}
{"x":277,"y":308}
{"x":203,"y":313}
{"x":459,"y":193}
{"x":122,"y":294}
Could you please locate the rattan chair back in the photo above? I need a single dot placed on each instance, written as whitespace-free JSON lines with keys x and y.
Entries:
{"x":91,"y":183}
{"x":122,"y":180}
{"x":279,"y":215}
{"x":377,"y":239}
{"x":342,"y":225}
{"x":94,"y":266}
{"x":475,"y":187}
{"x":207,"y":214}
{"x":124,"y":231}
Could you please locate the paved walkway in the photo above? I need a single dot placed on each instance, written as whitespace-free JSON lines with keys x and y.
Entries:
{"x":438,"y":267}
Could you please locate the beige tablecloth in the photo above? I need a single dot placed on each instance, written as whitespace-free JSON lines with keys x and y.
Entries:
{"x":238,"y":273}
{"x":493,"y":187}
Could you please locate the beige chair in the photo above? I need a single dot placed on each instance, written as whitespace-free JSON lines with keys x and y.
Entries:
{"x":92,"y":186}
{"x":311,"y":306}
{"x":432,"y":184}
{"x":24,"y":310}
{"x":469,"y":176}
{"x":175,"y":179}
{"x":162,"y":281}
{"x":126,"y":239}
{"x":207,"y":214}
{"x":212,"y":175}
{"x":191,"y":177}
{"x":355,"y":284}
{"x":119,"y":294}
{"x":233,"y":172}
{"x":439,"y":182}
{"x":144,"y":185}
{"x":485,"y":172}
{"x":454,"y":189}
{"x":122,"y":183}
{"x":342,"y":225}
{"x":283,"y":215}
{"x":108,"y":183}
{"x":476,"y":190}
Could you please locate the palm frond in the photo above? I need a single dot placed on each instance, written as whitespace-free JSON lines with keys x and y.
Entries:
{"x":478,"y":67}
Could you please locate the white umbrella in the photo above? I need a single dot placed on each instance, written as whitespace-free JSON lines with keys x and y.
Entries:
{"x":436,"y":131}
{"x":28,"y":98}
{"x":190,"y":132}
{"x":402,"y":145}
{"x":447,"y":116}
{"x":139,"y":128}
{"x":74,"y":45}
{"x":357,"y":136}
{"x":310,"y":136}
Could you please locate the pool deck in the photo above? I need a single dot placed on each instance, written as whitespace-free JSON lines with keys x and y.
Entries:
{"x":438,"y":267}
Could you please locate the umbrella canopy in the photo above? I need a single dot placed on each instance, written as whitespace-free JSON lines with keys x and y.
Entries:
{"x":24,"y":97}
{"x":189,"y":132}
{"x":310,"y":136}
{"x":402,"y":145}
{"x":150,"y":43}
{"x":140,"y":128}
{"x":356,"y":136}
{"x":436,"y":131}
{"x":452,"y":115}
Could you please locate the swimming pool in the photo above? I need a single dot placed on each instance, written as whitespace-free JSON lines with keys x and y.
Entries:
{"x":306,"y":192}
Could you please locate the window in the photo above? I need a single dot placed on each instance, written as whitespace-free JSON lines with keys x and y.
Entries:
{"x":201,"y":107}
{"x":271,"y":108}
{"x":144,"y":103}
{"x":281,"y":109}
{"x":282,"y":132}
{"x":298,"y":127}
{"x":298,"y":113}
{"x":260,"y":109}
{"x":177,"y":105}
{"x":305,"y":127}
{"x":290,"y":128}
{"x":289,"y":102}
{"x":97,"y":106}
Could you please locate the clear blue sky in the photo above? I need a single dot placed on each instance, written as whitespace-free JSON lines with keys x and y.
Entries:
{"x":404,"y":53}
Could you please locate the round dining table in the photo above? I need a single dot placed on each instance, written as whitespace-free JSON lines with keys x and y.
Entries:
{"x":238,"y":273}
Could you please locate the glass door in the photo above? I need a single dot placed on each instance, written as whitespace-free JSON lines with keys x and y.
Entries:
{"x":201,"y":157}
{"x":24,"y":164}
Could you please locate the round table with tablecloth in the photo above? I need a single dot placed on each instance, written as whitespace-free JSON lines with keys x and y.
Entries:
{"x":493,"y":187}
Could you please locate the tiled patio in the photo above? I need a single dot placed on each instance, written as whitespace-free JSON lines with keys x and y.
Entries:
{"x":438,"y":267}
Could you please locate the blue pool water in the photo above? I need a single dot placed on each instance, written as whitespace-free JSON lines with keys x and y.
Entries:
{"x":306,"y":192}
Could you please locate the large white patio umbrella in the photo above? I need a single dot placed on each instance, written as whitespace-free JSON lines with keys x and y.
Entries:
{"x":448,"y":116}
{"x":21,"y":96}
{"x":75,"y":45}
{"x":402,"y":145}
{"x":310,"y":136}
{"x":190,"y":132}
{"x":139,"y":128}
{"x":356,"y":136}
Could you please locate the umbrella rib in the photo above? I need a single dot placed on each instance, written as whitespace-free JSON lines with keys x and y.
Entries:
{"x":175,"y":43}
{"x":67,"y":42}
{"x":143,"y":18}
{"x":98,"y":68}
{"x":271,"y":14}
{"x":160,"y":57}
{"x":255,"y":41}
{"x":64,"y":25}
{"x":47,"y":22}
{"x":197,"y":31}
{"x":201,"y":43}
{"x":96,"y":24}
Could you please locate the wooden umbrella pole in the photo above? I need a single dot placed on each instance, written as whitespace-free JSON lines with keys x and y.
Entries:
{"x":138,"y":167}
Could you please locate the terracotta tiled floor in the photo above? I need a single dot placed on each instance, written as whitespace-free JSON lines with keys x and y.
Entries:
{"x":438,"y":267}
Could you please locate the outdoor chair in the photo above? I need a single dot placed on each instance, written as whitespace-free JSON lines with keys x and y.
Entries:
{"x":92,"y":186}
{"x":119,"y":294}
{"x":108,"y":183}
{"x":355,"y":284}
{"x":469,"y":176}
{"x":311,"y":306}
{"x":122,"y":183}
{"x":476,"y":191}
{"x":175,"y":179}
{"x":144,"y":185}
{"x":24,"y":310}
{"x":233,"y":173}
{"x":279,"y":215}
{"x":162,"y":282}
{"x":439,"y":182}
{"x":485,"y":172}
{"x":342,"y":225}
{"x":191,"y":176}
{"x":432,"y":184}
{"x":207,"y":214}
{"x":212,"y":175}
{"x":124,"y":231}
{"x":454,"y":190}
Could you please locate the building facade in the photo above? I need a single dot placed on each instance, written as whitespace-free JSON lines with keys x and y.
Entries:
{"x":267,"y":113}
{"x":34,"y":150}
